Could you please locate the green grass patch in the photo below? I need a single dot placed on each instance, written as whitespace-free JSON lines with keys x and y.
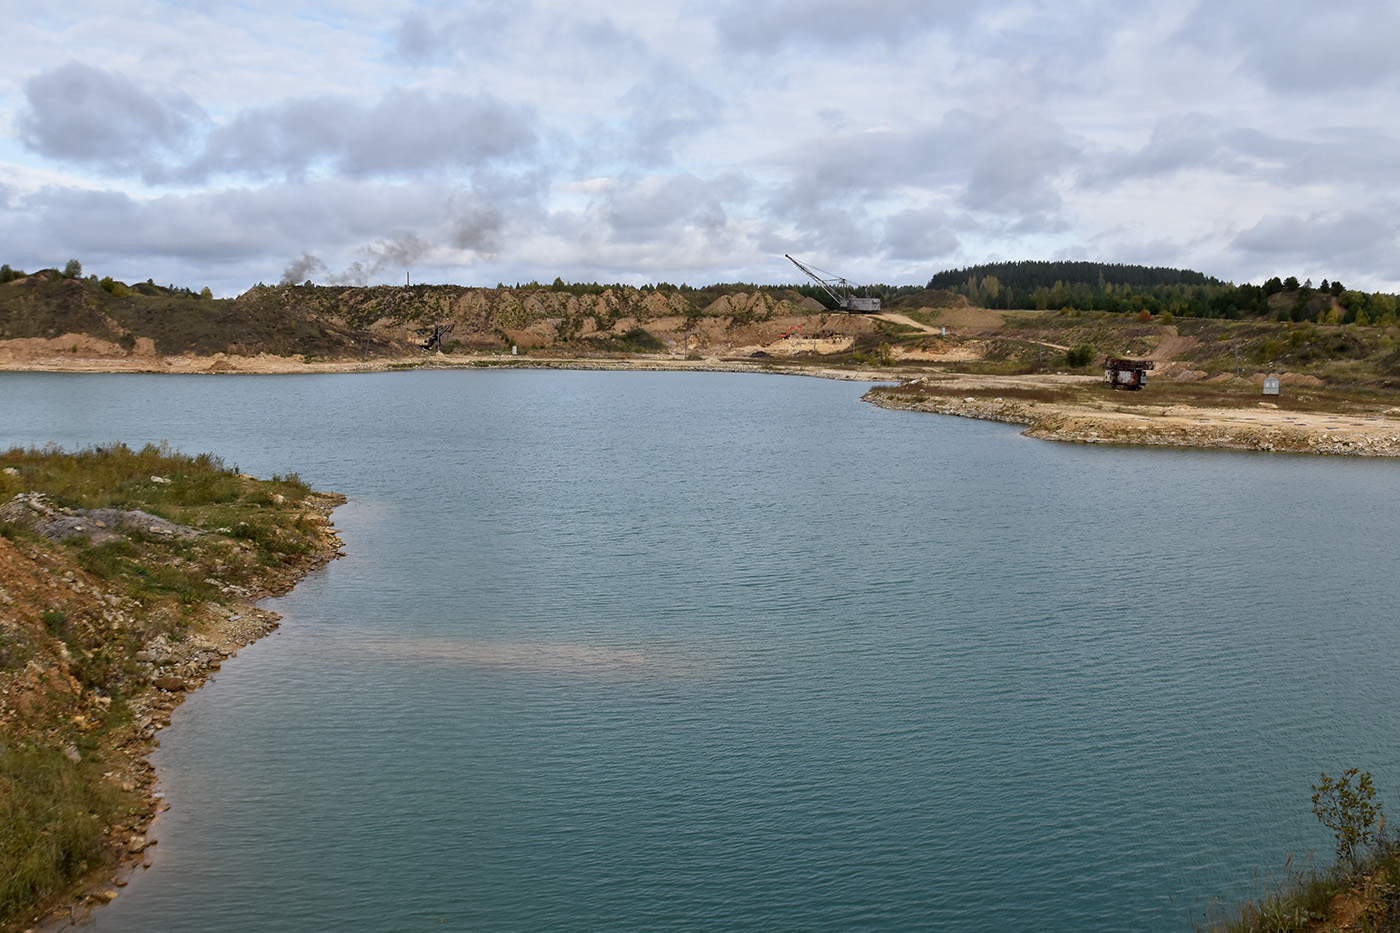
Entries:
{"x":1299,"y":902}
{"x":1307,"y":901}
{"x":248,"y":524}
{"x":52,"y":814}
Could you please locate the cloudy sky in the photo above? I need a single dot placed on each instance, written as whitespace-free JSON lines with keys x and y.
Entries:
{"x":201,"y":143}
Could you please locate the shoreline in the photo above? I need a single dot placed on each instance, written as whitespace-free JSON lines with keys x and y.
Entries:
{"x":179,"y":669}
{"x":265,"y":364}
{"x":1265,"y":427}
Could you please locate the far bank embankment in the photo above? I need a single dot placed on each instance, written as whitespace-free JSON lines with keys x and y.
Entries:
{"x":1262,"y":426}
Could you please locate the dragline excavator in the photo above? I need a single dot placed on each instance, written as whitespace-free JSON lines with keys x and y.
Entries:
{"x":843,"y":292}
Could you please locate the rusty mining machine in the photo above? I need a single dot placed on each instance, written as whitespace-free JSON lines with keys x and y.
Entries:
{"x":1122,"y":373}
{"x":842,"y":291}
{"x":435,"y":338}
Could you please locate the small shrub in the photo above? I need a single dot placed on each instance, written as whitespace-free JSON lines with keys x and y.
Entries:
{"x":1080,"y":356}
{"x":114,"y":288}
{"x":1349,"y":810}
{"x":55,"y":621}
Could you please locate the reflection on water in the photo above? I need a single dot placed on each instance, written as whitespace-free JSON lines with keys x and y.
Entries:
{"x":581,"y":659}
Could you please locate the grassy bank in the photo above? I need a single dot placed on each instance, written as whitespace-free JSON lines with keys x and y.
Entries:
{"x":1360,"y":891}
{"x":1364,"y":897}
{"x":125,"y":576}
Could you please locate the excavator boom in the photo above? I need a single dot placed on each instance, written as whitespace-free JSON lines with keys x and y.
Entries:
{"x":841,"y":291}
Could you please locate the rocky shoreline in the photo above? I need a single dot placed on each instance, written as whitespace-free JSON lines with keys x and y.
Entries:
{"x":1264,"y":428}
{"x":266,"y":364}
{"x":171,"y":668}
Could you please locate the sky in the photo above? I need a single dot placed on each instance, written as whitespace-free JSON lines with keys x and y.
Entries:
{"x":645,"y":141}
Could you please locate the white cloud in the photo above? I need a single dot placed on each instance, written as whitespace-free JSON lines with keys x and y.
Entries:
{"x":515,"y":140}
{"x":77,"y":113}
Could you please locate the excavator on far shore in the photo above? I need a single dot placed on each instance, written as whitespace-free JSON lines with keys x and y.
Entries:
{"x":843,"y":292}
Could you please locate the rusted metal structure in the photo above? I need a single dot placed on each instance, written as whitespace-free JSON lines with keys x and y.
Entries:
{"x":435,"y":337}
{"x":843,"y":292}
{"x":1126,"y":374}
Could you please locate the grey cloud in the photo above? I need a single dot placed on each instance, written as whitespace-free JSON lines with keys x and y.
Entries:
{"x":110,"y":222}
{"x":1006,"y":163}
{"x":83,"y":114}
{"x":1177,"y":143}
{"x":1127,"y":245}
{"x":243,"y":231}
{"x":758,"y":25}
{"x":1012,"y":182}
{"x":1336,"y":154}
{"x":403,"y":251}
{"x":285,"y":141}
{"x":665,"y":108}
{"x":1347,"y":236}
{"x":658,"y":208}
{"x":1054,"y":41}
{"x":858,"y":166}
{"x":923,"y":234}
{"x":1301,"y":47}
{"x":406,"y":131}
{"x":601,"y":37}
{"x":826,"y":230}
{"x":452,"y":31}
{"x":416,"y":41}
{"x":1196,"y":142}
{"x":411,"y":130}
{"x":1353,"y":246}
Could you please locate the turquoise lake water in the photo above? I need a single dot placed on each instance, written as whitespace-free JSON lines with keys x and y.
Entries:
{"x":661,"y":651}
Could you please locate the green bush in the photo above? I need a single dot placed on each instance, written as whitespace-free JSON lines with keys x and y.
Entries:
{"x":1349,"y":810}
{"x":1080,"y":356}
{"x":113,"y":287}
{"x":56,"y":621}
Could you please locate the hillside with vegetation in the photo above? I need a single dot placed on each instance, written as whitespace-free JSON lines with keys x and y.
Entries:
{"x":1005,"y":318}
{"x":1093,"y":286}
